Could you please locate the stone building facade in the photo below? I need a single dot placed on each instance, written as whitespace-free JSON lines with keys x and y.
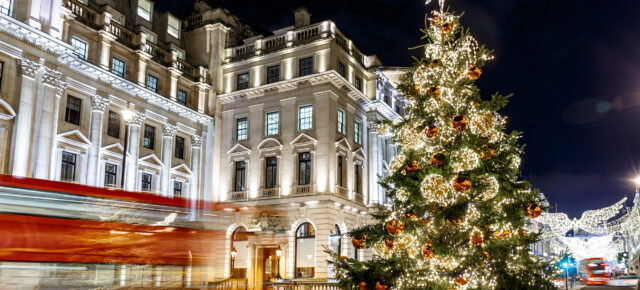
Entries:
{"x":207,"y":109}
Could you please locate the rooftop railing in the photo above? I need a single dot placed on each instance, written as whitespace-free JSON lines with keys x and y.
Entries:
{"x":157,"y":54}
{"x":122,"y":34}
{"x":83,"y":13}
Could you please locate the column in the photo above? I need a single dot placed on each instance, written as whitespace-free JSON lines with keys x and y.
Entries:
{"x":207,"y":180}
{"x":203,"y":88}
{"x":131,"y":171}
{"x":46,"y":122}
{"x":141,"y":68}
{"x":105,"y":48}
{"x":168,"y":133}
{"x":174,"y":73}
{"x":373,"y":153}
{"x":194,"y":187}
{"x":98,"y":106}
{"x":24,"y":116}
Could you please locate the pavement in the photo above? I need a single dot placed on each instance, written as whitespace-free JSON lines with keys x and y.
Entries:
{"x":598,"y":287}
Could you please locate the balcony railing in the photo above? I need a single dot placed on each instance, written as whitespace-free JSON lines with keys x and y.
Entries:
{"x":303,"y":189}
{"x":229,"y":284}
{"x":122,"y":34}
{"x":187,"y":70}
{"x":307,"y":35}
{"x":157,"y":54}
{"x":343,"y":192}
{"x":305,"y":285}
{"x":270,"y":193}
{"x":82,"y":12}
{"x":239,"y":195}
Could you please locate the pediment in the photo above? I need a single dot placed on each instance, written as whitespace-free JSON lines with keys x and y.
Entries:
{"x":344,"y":144}
{"x":303,"y":139}
{"x":270,"y":143}
{"x":6,"y":112}
{"x":182,"y":168}
{"x":239,"y":150}
{"x":115,"y":148}
{"x":151,"y":159}
{"x":359,"y":153}
{"x":74,"y":137}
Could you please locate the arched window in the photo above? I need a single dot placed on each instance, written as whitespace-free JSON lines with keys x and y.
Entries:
{"x":305,"y":251}
{"x":335,"y":240}
{"x":239,"y":253}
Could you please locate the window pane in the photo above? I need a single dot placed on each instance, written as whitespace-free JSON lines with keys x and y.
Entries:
{"x":341,"y":69}
{"x":177,"y":189}
{"x":273,"y":74}
{"x":149,"y":136}
{"x":179,"y":151}
{"x":5,"y":7}
{"x":144,"y":9}
{"x":110,"y":177}
{"x":304,"y":168}
{"x":271,"y":127}
{"x":173,"y":27}
{"x":80,"y":46}
{"x":243,"y":81}
{"x":358,"y":83}
{"x":341,"y":121}
{"x":68,"y":170}
{"x":117,"y":67}
{"x":272,"y":171}
{"x":182,"y":97}
{"x":305,"y":251}
{"x":305,"y":117}
{"x":152,"y":83}
{"x":340,"y":183}
{"x":358,"y":132}
{"x":241,"y":129}
{"x":306,"y":66}
{"x":240,"y":176}
{"x":113,"y":128}
{"x":146,"y":182}
{"x":72,"y":113}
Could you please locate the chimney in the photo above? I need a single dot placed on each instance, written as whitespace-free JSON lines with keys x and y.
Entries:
{"x":303,"y":17}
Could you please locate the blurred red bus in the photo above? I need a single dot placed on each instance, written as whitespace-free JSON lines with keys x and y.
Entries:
{"x":596,"y":272}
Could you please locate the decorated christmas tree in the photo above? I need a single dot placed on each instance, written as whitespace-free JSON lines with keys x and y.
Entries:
{"x":460,"y":212}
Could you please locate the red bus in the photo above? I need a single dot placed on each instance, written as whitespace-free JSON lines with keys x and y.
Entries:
{"x":596,"y":272}
{"x":55,"y":234}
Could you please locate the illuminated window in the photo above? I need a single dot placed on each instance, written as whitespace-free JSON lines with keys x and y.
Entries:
{"x":5,"y":7}
{"x":68,"y":170}
{"x":146,"y":181}
{"x":341,"y":121}
{"x":72,"y":113}
{"x":304,"y":168}
{"x":335,"y":240}
{"x":273,"y":74}
{"x":144,"y":9}
{"x":177,"y":189}
{"x":242,"y":129}
{"x":306,"y":66}
{"x":173,"y":26}
{"x":113,"y":124}
{"x":240,"y":177}
{"x":149,"y":136}
{"x":182,"y":97}
{"x":179,"y":150}
{"x":305,"y":251}
{"x":243,"y":81}
{"x":152,"y":83}
{"x":117,"y":67}
{"x":305,"y":117}
{"x":357,"y":132}
{"x":271,"y":123}
{"x":271,"y":167}
{"x":80,"y":47}
{"x":110,"y":171}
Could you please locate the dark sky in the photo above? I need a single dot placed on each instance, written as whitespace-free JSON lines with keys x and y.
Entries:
{"x":574,"y":67}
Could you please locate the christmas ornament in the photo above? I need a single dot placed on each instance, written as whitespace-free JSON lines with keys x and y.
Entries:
{"x":380,"y":286}
{"x":437,"y":159}
{"x":359,"y":243}
{"x":431,"y":131}
{"x":427,"y":251}
{"x":410,"y":216}
{"x":476,"y":238}
{"x":533,"y":210}
{"x":395,"y":227}
{"x":482,"y":124}
{"x":388,"y":243}
{"x":459,"y":123}
{"x":436,"y":63}
{"x":487,"y":154}
{"x":460,"y":280}
{"x":502,"y":234}
{"x":434,"y":188}
{"x":446,"y":28}
{"x":473,"y":72}
{"x":486,"y":254}
{"x":461,"y":184}
{"x":397,"y":162}
{"x":464,"y":159}
{"x":402,"y":194}
{"x":433,"y":91}
{"x":362,"y":285}
{"x":417,"y":88}
{"x":491,"y":187}
{"x":456,"y":221}
{"x":412,"y":167}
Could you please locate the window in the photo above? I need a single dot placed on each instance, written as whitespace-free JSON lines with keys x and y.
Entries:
{"x":304,"y":168}
{"x":356,"y":178}
{"x":152,"y":83}
{"x":271,"y":172}
{"x":144,"y":9}
{"x":273,"y":74}
{"x":242,"y":129}
{"x":113,"y":124}
{"x":239,"y":182}
{"x":271,"y":123}
{"x":306,"y":66}
{"x":179,"y":54}
{"x":342,"y":70}
{"x":110,"y":177}
{"x":240,"y":244}
{"x":182,"y":97}
{"x":117,"y":67}
{"x":341,"y":121}
{"x":149,"y":136}
{"x":179,"y":151}
{"x":358,"y":83}
{"x":72,"y":113}
{"x":387,"y":100}
{"x":305,"y":251}
{"x":5,"y":7}
{"x":340,"y":172}
{"x":243,"y":81}
{"x":357,"y":132}
{"x":173,"y":26}
{"x":68,"y":170}
{"x":177,"y":189}
{"x":305,"y":117}
{"x":151,"y":37}
{"x":1,"y":73}
{"x":80,"y":47}
{"x":146,"y":182}
{"x":335,"y":240}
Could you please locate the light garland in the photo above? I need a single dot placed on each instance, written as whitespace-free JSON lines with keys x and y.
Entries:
{"x":464,"y":160}
{"x":436,"y":189}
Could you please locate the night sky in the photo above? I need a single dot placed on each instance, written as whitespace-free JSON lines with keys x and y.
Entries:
{"x":573,"y":67}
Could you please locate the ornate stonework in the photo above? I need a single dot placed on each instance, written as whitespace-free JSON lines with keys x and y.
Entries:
{"x":138,"y":118}
{"x":99,"y":103}
{"x":169,"y":130}
{"x":196,"y":141}
{"x":28,"y":67}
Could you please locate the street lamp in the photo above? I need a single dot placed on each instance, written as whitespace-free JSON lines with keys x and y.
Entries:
{"x":278,"y":254}
{"x":234,"y":252}
{"x":637,"y":182}
{"x":127,"y":116}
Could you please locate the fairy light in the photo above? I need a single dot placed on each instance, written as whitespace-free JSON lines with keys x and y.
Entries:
{"x":464,"y":160}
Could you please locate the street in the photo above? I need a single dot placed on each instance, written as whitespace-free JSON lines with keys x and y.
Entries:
{"x":603,"y":288}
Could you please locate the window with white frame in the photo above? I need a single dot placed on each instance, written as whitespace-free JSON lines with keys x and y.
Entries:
{"x":152,"y":83}
{"x":80,"y":47}
{"x":357,"y":132}
{"x":243,"y":81}
{"x":110,"y":174}
{"x":242,"y":129}
{"x":177,"y":189}
{"x":5,"y":7}
{"x":146,"y":182}
{"x":118,"y":67}
{"x":144,"y":9}
{"x":341,"y":121}
{"x":182,"y":97}
{"x":305,"y":257}
{"x":306,"y":66}
{"x":273,"y":74}
{"x":304,"y":168}
{"x":271,"y":123}
{"x":173,"y":26}
{"x":342,"y":70}
{"x":68,"y":166}
{"x":240,"y":176}
{"x":305,"y":117}
{"x":357,"y":178}
{"x":178,"y":152}
{"x":271,"y":168}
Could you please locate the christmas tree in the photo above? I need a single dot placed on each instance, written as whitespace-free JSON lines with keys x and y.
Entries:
{"x":460,"y":211}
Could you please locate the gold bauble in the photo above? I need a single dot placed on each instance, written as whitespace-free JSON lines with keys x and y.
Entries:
{"x":438,"y":159}
{"x":456,"y":221}
{"x":434,"y":91}
{"x":486,"y":254}
{"x":417,"y":88}
{"x":461,"y":184}
{"x":459,"y":123}
{"x":412,"y":166}
{"x":436,"y":63}
{"x":381,"y":286}
{"x":446,"y":28}
{"x":388,"y":243}
{"x":487,"y":154}
{"x":474,"y":72}
{"x":533,"y":210}
{"x":431,"y":131}
{"x":476,"y":238}
{"x":502,"y":234}
{"x":410,"y":216}
{"x":460,"y":281}
{"x":359,"y":243}
{"x":427,"y":251}
{"x":362,"y":286}
{"x":395,"y":227}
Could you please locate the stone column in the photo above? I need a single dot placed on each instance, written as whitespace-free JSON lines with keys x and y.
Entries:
{"x":168,"y":133}
{"x":207,"y":180}
{"x":203,"y":88}
{"x":98,"y":106}
{"x":194,"y":187}
{"x":131,"y":171}
{"x":141,"y":68}
{"x":174,"y":74}
{"x":46,"y":122}
{"x":24,"y":118}
{"x":374,"y":159}
{"x":105,"y":48}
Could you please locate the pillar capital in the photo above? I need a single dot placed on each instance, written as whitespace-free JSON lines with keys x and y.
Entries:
{"x":138,"y":118}
{"x":169,"y":130}
{"x":28,"y":67}
{"x":196,"y":141}
{"x":99,"y":103}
